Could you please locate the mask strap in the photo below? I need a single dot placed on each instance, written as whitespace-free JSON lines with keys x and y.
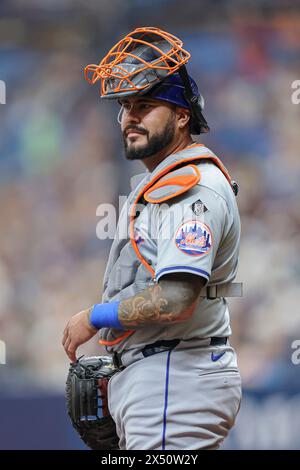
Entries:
{"x":120,"y":115}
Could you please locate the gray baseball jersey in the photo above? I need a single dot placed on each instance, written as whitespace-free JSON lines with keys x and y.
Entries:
{"x":197,"y":232}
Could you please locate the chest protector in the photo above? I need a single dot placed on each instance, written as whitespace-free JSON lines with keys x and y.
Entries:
{"x":174,"y":180}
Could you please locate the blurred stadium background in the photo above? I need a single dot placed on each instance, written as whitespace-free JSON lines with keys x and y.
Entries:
{"x":61,"y":156}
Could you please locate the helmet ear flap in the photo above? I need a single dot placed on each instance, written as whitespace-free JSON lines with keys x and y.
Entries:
{"x":198,"y":123}
{"x":196,"y":104}
{"x":201,"y":102}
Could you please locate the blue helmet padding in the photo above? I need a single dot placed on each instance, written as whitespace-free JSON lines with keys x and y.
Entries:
{"x":171,"y":89}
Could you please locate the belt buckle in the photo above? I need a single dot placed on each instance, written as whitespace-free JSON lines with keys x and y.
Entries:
{"x":218,"y":340}
{"x":159,"y":346}
{"x":211,"y":292}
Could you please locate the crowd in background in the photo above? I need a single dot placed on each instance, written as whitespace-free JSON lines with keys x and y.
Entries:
{"x":61,"y":156}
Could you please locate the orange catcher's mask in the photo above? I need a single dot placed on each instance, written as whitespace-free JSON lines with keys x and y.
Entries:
{"x":136,"y":63}
{"x":149,"y":61}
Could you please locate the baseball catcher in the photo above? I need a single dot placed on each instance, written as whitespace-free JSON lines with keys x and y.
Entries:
{"x":164,"y":316}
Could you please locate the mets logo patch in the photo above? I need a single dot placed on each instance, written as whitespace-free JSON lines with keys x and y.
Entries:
{"x":193,"y":238}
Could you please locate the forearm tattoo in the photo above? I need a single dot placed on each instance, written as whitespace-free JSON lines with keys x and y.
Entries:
{"x":169,"y":301}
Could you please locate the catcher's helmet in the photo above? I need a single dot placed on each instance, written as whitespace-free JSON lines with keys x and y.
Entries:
{"x":149,"y":61}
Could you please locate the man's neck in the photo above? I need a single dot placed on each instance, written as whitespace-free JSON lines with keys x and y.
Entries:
{"x":152,"y":162}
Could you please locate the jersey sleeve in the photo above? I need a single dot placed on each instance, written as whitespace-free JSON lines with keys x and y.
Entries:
{"x":189,"y":233}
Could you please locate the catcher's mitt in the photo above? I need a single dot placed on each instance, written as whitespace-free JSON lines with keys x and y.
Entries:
{"x":86,"y":397}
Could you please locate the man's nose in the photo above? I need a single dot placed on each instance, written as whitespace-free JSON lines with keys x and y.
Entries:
{"x":131,"y":115}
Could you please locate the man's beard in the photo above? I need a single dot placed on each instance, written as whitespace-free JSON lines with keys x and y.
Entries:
{"x":155,"y":144}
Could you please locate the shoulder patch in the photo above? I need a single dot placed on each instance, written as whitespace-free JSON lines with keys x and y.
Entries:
{"x":173,"y":184}
{"x":193,"y":238}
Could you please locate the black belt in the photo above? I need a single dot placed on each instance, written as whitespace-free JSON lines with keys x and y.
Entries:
{"x":165,"y":345}
{"x":159,"y":346}
{"x":218,"y":340}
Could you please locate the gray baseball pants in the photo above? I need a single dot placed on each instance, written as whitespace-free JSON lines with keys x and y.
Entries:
{"x":181,"y":399}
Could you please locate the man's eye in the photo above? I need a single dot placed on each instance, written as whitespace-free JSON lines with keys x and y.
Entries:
{"x":145,"y":105}
{"x":126,"y":107}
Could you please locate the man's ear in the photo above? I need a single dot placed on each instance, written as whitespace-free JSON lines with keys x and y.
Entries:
{"x":183,"y":117}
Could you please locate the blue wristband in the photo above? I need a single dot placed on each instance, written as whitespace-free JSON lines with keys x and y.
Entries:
{"x":106,"y":315}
